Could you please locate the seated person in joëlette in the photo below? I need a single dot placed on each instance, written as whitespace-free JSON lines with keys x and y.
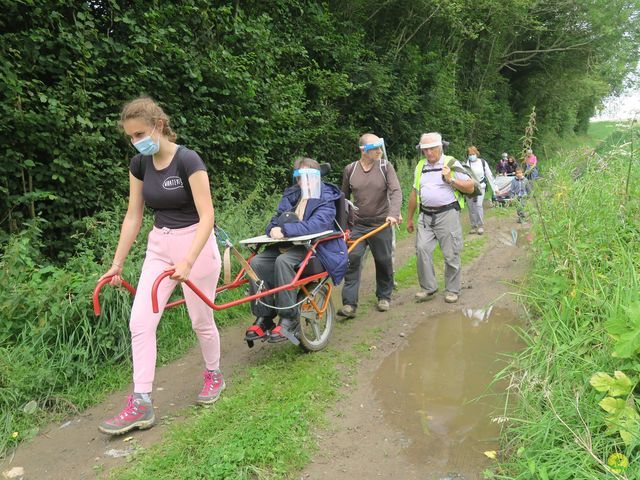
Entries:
{"x":307,"y":207}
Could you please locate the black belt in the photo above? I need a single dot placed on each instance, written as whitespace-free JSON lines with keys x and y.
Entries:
{"x":444,"y":208}
{"x":433,"y":211}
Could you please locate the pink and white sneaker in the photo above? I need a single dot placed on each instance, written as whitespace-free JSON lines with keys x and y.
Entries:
{"x":137,"y":414}
{"x":212,"y":388}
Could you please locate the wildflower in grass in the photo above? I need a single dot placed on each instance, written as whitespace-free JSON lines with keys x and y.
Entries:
{"x":14,"y":435}
{"x":618,"y":462}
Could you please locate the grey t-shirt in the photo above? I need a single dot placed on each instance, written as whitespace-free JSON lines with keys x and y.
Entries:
{"x":163,"y":190}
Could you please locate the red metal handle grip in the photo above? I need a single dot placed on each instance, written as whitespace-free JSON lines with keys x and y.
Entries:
{"x":156,"y":284}
{"x":102,"y":283}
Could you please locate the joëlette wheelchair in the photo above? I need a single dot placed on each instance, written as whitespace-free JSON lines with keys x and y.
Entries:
{"x":312,"y":281}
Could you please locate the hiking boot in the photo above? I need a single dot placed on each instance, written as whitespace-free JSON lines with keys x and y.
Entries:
{"x":480,"y":230}
{"x":383,"y":305}
{"x":348,"y":311}
{"x":451,"y":297}
{"x":423,"y":295}
{"x":137,"y":414}
{"x":212,"y":388}
{"x":473,"y":230}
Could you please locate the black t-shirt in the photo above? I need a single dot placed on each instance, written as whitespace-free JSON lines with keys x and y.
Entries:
{"x":163,"y":190}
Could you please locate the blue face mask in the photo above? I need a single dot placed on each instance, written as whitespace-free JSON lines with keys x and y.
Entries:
{"x":473,"y":158}
{"x":147,"y":146}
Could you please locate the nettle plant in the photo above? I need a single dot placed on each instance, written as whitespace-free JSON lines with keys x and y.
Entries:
{"x":624,"y":328}
{"x":620,"y":402}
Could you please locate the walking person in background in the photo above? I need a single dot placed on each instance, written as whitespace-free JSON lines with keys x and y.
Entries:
{"x":374,"y":186}
{"x":483,"y":174}
{"x":531,"y":165}
{"x":439,"y":183}
{"x":173,"y":181}
{"x":502,"y":169}
{"x":511,"y":165}
{"x":520,"y":189}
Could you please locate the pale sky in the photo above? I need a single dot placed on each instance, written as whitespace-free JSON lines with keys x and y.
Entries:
{"x":621,"y":108}
{"x":627,"y":105}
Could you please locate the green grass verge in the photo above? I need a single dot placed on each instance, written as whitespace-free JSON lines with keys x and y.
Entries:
{"x":260,"y":428}
{"x":583,"y":299}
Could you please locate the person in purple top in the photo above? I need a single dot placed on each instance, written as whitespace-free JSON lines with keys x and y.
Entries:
{"x":439,"y":181}
{"x":172,"y":180}
{"x":502,"y":169}
{"x":511,"y":165}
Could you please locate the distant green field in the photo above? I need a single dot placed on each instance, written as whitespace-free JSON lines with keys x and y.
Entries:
{"x":598,"y":131}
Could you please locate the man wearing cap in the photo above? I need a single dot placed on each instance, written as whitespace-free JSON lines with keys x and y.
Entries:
{"x":377,"y":197}
{"x":437,"y":191}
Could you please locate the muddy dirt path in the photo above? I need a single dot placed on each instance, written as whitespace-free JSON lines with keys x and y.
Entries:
{"x":364,"y":440}
{"x":359,"y":444}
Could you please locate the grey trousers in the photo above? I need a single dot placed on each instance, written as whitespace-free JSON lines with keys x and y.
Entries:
{"x":276,"y":269}
{"x":446,"y":231}
{"x":476,"y":211}
{"x":381,"y":250}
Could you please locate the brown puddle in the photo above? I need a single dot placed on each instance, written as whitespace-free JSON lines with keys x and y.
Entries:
{"x":437,"y":389}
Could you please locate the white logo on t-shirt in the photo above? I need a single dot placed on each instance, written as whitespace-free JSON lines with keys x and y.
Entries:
{"x":172,"y":183}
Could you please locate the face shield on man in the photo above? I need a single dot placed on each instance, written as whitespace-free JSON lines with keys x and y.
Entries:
{"x":376,"y":149}
{"x":310,"y":182}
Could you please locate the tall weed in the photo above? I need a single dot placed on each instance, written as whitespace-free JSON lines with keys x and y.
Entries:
{"x":583,"y":275}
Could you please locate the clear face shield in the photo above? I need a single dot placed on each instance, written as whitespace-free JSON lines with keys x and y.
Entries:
{"x":376,"y":150}
{"x":310,"y":182}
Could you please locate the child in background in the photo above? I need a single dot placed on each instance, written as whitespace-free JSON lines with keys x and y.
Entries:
{"x":520,"y":189}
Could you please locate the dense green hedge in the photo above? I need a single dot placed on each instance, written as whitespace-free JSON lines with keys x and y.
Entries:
{"x":251,"y":84}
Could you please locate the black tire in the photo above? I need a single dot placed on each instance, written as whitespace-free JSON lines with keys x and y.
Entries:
{"x":315,"y":332}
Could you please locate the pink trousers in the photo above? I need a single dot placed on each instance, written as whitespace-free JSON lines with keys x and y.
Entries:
{"x":167,"y":247}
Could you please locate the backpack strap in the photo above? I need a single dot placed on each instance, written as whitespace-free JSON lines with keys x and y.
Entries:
{"x":352,"y":167}
{"x":418,"y":174}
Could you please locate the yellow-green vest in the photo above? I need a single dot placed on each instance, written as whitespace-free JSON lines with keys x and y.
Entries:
{"x":418,"y":173}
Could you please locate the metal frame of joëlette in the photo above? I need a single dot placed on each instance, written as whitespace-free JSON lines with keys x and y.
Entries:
{"x":239,"y":280}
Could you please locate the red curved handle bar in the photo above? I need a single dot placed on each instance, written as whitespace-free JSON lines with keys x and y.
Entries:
{"x":96,"y":293}
{"x":102,"y":283}
{"x":162,"y":276}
